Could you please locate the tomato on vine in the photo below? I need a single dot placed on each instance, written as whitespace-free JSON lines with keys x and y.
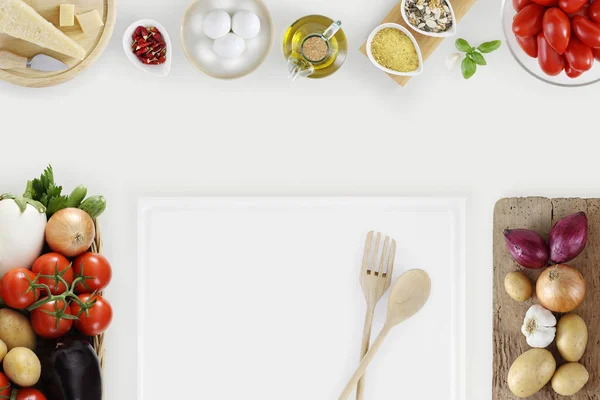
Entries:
{"x":48,"y":267}
{"x":16,"y":288}
{"x":95,"y":270}
{"x":4,"y":387}
{"x":53,"y":319}
{"x":30,"y":394}
{"x":96,"y":319}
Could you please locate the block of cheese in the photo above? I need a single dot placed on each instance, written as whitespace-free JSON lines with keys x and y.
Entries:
{"x":19,"y":20}
{"x":67,"y":14}
{"x":90,"y":22}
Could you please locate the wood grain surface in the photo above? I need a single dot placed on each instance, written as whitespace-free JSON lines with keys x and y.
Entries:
{"x":428,"y":44}
{"x":93,"y":45}
{"x":539,"y":214}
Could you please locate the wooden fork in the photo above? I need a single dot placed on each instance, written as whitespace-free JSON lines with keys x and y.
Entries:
{"x":375,"y":279}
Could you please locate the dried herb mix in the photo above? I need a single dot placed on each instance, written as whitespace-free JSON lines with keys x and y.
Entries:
{"x":393,"y":50}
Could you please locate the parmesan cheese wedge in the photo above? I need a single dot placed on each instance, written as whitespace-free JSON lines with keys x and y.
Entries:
{"x":19,"y":20}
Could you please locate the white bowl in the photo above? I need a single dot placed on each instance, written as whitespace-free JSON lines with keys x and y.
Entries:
{"x":158,"y":70}
{"x":450,"y":32}
{"x":412,"y":38}
{"x":198,"y":48}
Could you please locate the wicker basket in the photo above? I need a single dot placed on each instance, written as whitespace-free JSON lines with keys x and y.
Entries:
{"x":98,"y":341}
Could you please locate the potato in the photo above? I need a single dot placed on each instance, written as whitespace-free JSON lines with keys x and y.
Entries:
{"x":22,"y":367}
{"x":571,"y":337}
{"x":3,"y":350}
{"x":570,"y":379}
{"x":530,"y":372}
{"x":518,"y":286}
{"x":15,"y":330}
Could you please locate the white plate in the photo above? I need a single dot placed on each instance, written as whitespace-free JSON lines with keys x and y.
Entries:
{"x":407,"y":33}
{"x":158,"y":70}
{"x":199,"y":48}
{"x":260,"y":298}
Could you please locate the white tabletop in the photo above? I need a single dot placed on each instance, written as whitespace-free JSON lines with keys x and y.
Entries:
{"x":127,"y":134}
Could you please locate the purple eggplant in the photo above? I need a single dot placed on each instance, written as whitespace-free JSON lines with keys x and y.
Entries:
{"x":568,"y":237}
{"x":527,"y":248}
{"x":71,"y":370}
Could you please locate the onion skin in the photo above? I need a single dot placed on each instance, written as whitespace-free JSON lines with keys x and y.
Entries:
{"x":560,"y":288}
{"x":70,"y":232}
{"x":568,"y":237}
{"x":527,"y":248}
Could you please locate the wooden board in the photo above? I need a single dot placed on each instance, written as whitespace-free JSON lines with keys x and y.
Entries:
{"x":427,"y":44}
{"x":93,"y":45}
{"x":540,"y":214}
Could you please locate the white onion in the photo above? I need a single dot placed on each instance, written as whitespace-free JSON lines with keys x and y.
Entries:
{"x":70,"y":232}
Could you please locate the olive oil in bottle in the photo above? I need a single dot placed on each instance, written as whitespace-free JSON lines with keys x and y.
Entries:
{"x":315,"y":47}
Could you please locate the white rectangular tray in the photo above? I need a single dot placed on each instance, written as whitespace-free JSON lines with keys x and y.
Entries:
{"x":259,"y":298}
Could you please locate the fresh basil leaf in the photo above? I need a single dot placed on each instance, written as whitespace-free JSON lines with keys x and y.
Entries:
{"x":477,"y":57}
{"x":468,"y":67}
{"x":488,"y":47}
{"x":463,"y":45}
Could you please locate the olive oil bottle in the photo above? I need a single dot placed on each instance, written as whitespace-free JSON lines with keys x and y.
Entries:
{"x":315,"y":47}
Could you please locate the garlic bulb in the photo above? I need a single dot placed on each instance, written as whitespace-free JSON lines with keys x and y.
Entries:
{"x":539,"y":327}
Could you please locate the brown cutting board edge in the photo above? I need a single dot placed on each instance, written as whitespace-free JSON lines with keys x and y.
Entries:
{"x":93,"y":45}
{"x":539,"y":214}
{"x":427,"y":44}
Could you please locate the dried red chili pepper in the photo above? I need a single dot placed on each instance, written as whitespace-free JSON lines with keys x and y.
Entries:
{"x":149,"y":45}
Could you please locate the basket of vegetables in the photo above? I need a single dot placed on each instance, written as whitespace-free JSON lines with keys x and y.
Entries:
{"x":52,"y":312}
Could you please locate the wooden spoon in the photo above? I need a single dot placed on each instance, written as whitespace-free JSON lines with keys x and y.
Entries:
{"x":408,"y":296}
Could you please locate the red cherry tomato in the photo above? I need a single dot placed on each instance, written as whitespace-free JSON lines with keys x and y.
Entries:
{"x":557,"y":29}
{"x":30,"y":394}
{"x":529,"y":45}
{"x":587,"y":31}
{"x":546,"y":3}
{"x":571,"y":6}
{"x":97,"y":319}
{"x":583,"y":11}
{"x":16,"y":289}
{"x":596,"y":54}
{"x":50,"y":326}
{"x":572,"y":73}
{"x":519,"y":4}
{"x":47,"y":264}
{"x":594,"y":13}
{"x":550,"y":61}
{"x":4,"y":387}
{"x":528,"y":21}
{"x":95,"y":270}
{"x":579,"y":56}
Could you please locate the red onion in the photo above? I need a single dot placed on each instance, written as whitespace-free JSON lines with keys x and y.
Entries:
{"x":527,"y":247}
{"x":568,"y":237}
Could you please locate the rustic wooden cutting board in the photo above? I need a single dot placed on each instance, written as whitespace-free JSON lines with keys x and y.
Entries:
{"x":428,"y":44}
{"x":539,"y":214}
{"x":94,"y":46}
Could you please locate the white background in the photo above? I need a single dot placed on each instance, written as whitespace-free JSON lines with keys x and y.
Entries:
{"x":127,"y":134}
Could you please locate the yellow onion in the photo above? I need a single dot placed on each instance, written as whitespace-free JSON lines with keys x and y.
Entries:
{"x":560,"y":288}
{"x":70,"y":232}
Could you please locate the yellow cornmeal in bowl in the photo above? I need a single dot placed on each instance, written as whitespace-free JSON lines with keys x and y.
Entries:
{"x":394,"y":50}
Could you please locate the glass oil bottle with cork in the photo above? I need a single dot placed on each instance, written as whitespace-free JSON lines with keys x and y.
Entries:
{"x":315,"y":47}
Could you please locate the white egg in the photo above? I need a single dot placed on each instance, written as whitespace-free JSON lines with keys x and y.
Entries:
{"x":217,"y":24}
{"x":229,"y":46}
{"x":245,"y":24}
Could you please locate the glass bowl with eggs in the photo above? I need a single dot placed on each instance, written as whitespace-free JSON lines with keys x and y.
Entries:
{"x":227,"y":39}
